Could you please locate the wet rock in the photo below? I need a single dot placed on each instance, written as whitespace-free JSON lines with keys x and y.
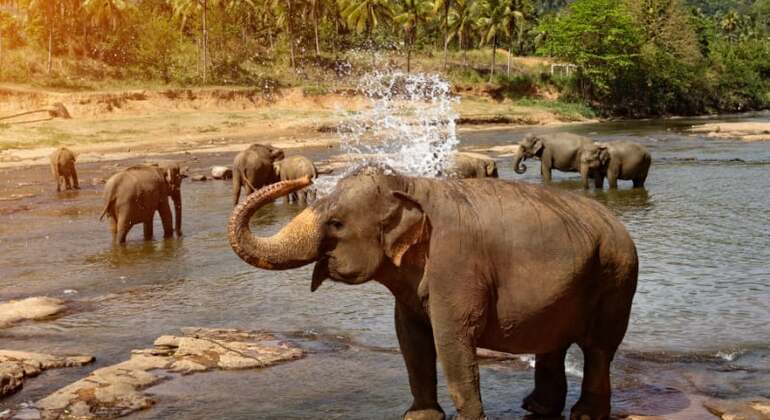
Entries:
{"x":98,"y":181}
{"x":116,"y":390}
{"x":221,"y":172}
{"x":746,"y":131}
{"x":15,"y":366}
{"x":757,"y":409}
{"x":14,"y":311}
{"x":198,"y":178}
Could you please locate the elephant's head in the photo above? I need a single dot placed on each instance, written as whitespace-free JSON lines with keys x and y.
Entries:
{"x":594,"y":156}
{"x":529,"y":147}
{"x":367,"y":224}
{"x":267,"y":151}
{"x":491,"y":169}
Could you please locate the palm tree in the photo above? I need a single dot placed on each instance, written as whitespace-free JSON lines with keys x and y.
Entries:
{"x":363,"y":16}
{"x":444,"y":5}
{"x":494,"y":24}
{"x":462,"y":22}
{"x":46,"y":9}
{"x":729,"y":24}
{"x":413,"y":14}
{"x":105,"y":12}
{"x":187,"y":8}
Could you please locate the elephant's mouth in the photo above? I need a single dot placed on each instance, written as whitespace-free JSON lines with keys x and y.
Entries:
{"x":329,"y":268}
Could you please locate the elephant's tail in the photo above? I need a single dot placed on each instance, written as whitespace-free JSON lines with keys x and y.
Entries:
{"x":246,"y":179}
{"x":109,"y":203}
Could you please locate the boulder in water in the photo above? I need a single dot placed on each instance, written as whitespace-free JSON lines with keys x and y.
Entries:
{"x":33,"y":308}
{"x":199,"y":178}
{"x":15,"y":366}
{"x":221,"y":172}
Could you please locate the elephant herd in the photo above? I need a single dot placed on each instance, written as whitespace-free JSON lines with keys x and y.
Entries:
{"x":471,"y":261}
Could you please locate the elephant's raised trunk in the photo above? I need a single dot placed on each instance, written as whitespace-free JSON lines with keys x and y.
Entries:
{"x":519,"y":167}
{"x":294,"y":246}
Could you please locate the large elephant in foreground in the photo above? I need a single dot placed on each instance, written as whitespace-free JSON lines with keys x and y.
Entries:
{"x":615,"y":160}
{"x":507,"y":266}
{"x":555,"y":151}
{"x":63,"y":169}
{"x":253,"y":168}
{"x":473,"y":165}
{"x":133,"y":195}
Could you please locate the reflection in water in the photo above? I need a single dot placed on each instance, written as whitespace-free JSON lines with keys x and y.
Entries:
{"x":624,"y":200}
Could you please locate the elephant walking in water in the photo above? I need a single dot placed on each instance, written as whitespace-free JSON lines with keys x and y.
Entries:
{"x":253,"y":169}
{"x":555,"y":151}
{"x":63,"y":169}
{"x":135,"y":194}
{"x":507,"y":266}
{"x":615,"y":160}
{"x":296,"y":167}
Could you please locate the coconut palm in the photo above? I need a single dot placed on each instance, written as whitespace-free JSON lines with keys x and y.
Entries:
{"x":462,"y":23}
{"x":363,"y":16}
{"x":494,"y":22}
{"x":413,"y":14}
{"x":46,"y":10}
{"x":185,"y":9}
{"x":106,"y":13}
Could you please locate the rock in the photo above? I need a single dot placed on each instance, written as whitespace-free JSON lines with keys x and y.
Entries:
{"x":98,"y":181}
{"x":221,"y":172}
{"x":757,"y":409}
{"x":14,"y":311}
{"x":198,"y":178}
{"x":15,"y":366}
{"x":117,"y":390}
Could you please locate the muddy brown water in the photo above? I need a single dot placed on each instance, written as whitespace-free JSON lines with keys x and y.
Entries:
{"x":700,"y":324}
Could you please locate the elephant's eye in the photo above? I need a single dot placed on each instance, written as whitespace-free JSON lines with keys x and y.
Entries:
{"x":334,"y":224}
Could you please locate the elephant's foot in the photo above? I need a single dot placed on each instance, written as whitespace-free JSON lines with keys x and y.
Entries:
{"x":543,"y":404}
{"x":591,"y":408}
{"x":427,"y":414}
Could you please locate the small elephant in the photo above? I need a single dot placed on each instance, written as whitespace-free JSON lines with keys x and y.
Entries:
{"x":253,"y":169}
{"x":615,"y":160}
{"x":63,"y":169}
{"x":296,"y":167}
{"x":473,"y":165}
{"x":133,"y":195}
{"x":555,"y":151}
{"x":507,"y":266}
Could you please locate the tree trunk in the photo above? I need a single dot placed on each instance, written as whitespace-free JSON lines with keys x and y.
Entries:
{"x":447,"y":5}
{"x":205,"y":43}
{"x":408,"y":53}
{"x":291,"y":36}
{"x":50,"y":48}
{"x":508,"y":68}
{"x":465,"y":50}
{"x":1,"y":52}
{"x":315,"y":29}
{"x":494,"y":53}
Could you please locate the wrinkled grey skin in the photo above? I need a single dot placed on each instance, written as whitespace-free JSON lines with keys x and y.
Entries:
{"x":507,"y":266}
{"x":616,"y":160}
{"x":555,"y":151}
{"x":63,"y":169}
{"x":296,"y":167}
{"x":253,"y":169}
{"x":133,"y":195}
{"x":473,"y":165}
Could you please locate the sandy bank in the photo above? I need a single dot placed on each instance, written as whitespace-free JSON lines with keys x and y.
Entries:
{"x":33,"y":308}
{"x":746,"y":131}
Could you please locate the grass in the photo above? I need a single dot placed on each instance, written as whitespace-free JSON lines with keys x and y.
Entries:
{"x":568,"y":110}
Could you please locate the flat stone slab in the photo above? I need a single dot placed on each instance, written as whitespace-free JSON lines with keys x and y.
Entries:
{"x":33,"y":308}
{"x":746,"y":131}
{"x":117,"y":390}
{"x":756,"y":409}
{"x":15,"y":366}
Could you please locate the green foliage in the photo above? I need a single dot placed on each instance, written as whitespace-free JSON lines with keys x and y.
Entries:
{"x":572,"y":111}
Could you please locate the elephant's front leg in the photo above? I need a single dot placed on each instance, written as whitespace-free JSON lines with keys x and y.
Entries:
{"x":457,"y":355}
{"x":545,"y":166}
{"x":415,"y":338}
{"x":165,"y":218}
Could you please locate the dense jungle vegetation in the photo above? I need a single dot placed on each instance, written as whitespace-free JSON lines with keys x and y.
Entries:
{"x":626,"y":57}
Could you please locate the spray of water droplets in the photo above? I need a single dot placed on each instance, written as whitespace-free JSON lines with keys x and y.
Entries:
{"x":409,"y":126}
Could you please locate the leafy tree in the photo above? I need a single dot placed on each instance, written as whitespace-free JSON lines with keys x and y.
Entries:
{"x":494,"y":19}
{"x":462,"y":22}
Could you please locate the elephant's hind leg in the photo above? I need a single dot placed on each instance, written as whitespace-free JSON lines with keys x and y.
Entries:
{"x":123,"y":226}
{"x":594,"y":402}
{"x":166,"y":219}
{"x":550,"y":385}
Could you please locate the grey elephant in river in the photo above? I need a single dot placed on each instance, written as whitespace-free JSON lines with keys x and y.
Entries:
{"x":135,"y":194}
{"x":63,"y":169}
{"x":507,"y":266}
{"x":555,"y":151}
{"x":253,"y":169}
{"x":473,"y":165}
{"x":296,"y":167}
{"x":615,"y":160}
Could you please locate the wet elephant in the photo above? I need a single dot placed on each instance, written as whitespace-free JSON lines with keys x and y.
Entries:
{"x":540,"y":269}
{"x":473,"y":165}
{"x":555,"y":151}
{"x":63,"y":169}
{"x":253,"y":169}
{"x":615,"y":160}
{"x":135,"y":194}
{"x":296,"y":167}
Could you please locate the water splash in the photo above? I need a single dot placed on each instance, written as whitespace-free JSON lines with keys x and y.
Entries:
{"x":409,"y":126}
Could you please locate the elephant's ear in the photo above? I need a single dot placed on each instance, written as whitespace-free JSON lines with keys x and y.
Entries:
{"x":537,"y":147}
{"x":406,"y":228}
{"x":604,"y":154}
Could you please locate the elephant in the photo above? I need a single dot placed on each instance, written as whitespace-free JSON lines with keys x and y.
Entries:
{"x":253,"y":169}
{"x":63,"y":169}
{"x":133,"y":195}
{"x":473,"y":165}
{"x":555,"y":151}
{"x":615,"y":160}
{"x":507,"y":266}
{"x":296,"y":167}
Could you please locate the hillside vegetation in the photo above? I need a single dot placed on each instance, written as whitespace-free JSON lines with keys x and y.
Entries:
{"x":631,"y":58}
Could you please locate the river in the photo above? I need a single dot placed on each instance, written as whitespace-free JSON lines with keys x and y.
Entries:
{"x":700,"y":325}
